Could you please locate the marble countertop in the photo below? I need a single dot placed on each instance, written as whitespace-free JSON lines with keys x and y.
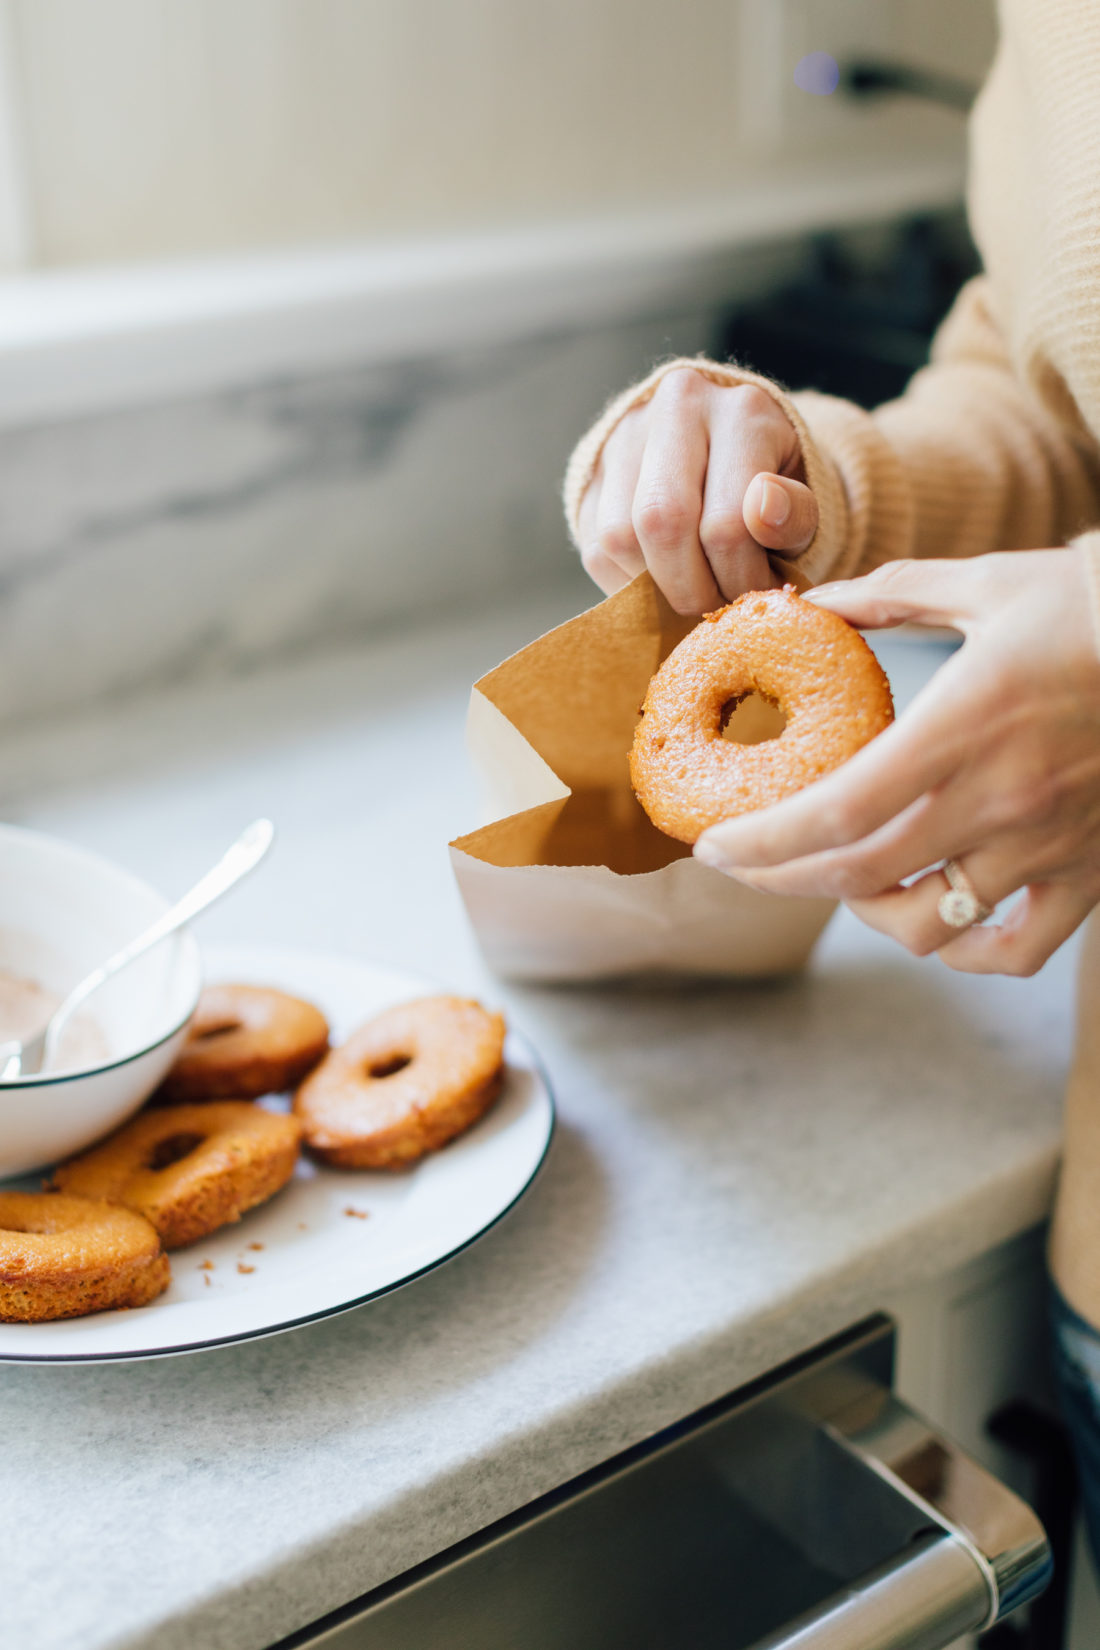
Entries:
{"x":739,"y":1172}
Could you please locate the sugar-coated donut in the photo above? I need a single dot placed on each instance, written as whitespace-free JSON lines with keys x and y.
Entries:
{"x":63,"y":1257}
{"x":244,"y":1041}
{"x":809,"y":662}
{"x":403,"y":1084}
{"x":189,"y":1169}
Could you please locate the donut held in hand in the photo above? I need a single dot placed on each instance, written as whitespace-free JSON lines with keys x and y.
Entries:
{"x":808,"y":662}
{"x":64,"y":1257}
{"x":403,"y":1084}
{"x":244,"y":1041}
{"x":189,"y":1169}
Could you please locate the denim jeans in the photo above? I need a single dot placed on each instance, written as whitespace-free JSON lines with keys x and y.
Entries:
{"x":1077,"y":1372}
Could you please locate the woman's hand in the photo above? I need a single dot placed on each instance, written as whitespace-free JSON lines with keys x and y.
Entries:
{"x":697,"y":485}
{"x":996,"y":765}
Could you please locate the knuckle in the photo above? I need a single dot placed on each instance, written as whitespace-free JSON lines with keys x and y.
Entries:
{"x":665,"y":522}
{"x":688,"y":606}
{"x":752,"y":402}
{"x":723,"y":530}
{"x":617,"y":539}
{"x":682,"y":387}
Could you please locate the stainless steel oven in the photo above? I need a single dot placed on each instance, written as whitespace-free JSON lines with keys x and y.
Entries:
{"x":812,"y":1511}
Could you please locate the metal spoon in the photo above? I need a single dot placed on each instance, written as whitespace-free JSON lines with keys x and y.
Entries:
{"x":26,"y":1059}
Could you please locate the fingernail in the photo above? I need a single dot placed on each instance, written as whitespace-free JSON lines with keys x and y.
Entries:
{"x":775,"y":506}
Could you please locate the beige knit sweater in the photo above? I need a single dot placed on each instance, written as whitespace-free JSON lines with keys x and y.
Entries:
{"x":996,"y":444}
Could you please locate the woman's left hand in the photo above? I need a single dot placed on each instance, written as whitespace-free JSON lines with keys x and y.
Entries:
{"x":995,"y":765}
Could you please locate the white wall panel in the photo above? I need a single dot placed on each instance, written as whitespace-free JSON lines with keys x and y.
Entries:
{"x":15,"y":215}
{"x":157,"y":128}
{"x":165,"y":126}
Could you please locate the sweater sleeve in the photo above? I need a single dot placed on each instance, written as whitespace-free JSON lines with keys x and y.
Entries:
{"x":966,"y":461}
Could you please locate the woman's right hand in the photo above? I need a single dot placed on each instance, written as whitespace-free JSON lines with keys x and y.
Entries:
{"x":697,"y":485}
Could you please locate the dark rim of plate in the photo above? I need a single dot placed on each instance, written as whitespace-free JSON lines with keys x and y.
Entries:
{"x":329,"y":1311}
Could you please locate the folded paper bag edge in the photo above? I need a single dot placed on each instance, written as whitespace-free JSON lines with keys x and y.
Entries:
{"x":514,"y":777}
{"x":514,"y":842}
{"x":574,"y":692}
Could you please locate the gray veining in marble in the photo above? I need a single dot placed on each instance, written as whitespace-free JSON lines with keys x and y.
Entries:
{"x":740,"y":1171}
{"x":203,"y":535}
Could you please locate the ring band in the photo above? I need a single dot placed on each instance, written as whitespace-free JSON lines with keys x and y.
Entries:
{"x":960,"y":907}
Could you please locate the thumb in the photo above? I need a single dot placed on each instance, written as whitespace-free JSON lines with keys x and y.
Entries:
{"x":935,"y":593}
{"x":781,"y":514}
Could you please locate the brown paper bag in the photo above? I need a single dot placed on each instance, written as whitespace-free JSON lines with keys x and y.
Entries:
{"x":571,"y":880}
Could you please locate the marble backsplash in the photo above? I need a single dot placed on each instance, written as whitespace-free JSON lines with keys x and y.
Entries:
{"x":204,"y":535}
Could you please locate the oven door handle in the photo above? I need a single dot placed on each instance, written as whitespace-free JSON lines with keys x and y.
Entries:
{"x":981,"y":1553}
{"x":924,"y":1599}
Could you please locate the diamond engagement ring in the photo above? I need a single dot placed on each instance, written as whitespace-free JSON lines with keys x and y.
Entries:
{"x":960,"y":907}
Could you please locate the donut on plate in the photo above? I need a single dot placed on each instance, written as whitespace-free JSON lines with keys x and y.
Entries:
{"x":404,"y":1084}
{"x":63,"y":1257}
{"x":244,"y":1041}
{"x":189,"y":1169}
{"x":807,"y":661}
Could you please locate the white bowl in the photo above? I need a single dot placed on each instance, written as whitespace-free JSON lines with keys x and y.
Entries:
{"x":63,"y":911}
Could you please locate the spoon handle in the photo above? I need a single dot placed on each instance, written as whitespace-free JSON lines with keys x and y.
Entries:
{"x":245,"y":854}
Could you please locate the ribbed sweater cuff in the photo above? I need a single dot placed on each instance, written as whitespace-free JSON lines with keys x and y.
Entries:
{"x":1089,"y":546}
{"x":826,"y":547}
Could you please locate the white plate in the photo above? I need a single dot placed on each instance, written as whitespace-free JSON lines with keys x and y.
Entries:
{"x":333,"y":1238}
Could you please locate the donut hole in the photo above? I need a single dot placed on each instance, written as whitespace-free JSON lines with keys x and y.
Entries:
{"x":751,"y":719}
{"x":207,"y":1033}
{"x":389,"y":1065}
{"x":173,"y":1149}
